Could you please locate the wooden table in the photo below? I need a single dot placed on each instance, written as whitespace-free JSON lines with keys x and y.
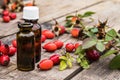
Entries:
{"x":105,"y":9}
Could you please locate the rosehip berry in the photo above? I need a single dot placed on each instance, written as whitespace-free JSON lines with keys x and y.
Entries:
{"x":4,"y":60}
{"x":5,"y":13}
{"x":58,"y":43}
{"x":4,"y":49}
{"x":49,"y":34}
{"x":55,"y":59}
{"x":69,"y":47}
{"x":44,"y":47}
{"x":50,"y":47}
{"x":43,"y":31}
{"x":12,"y":51}
{"x":6,"y":18}
{"x":14,"y":43}
{"x":62,"y":30}
{"x":75,"y":32}
{"x":45,"y":64}
{"x":12,"y":16}
{"x":43,"y":38}
{"x":74,"y":19}
{"x":77,"y":45}
{"x":92,"y":54}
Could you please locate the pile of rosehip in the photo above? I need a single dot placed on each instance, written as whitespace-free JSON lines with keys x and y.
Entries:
{"x":54,"y":59}
{"x":6,"y":51}
{"x":7,"y":16}
{"x":52,"y":46}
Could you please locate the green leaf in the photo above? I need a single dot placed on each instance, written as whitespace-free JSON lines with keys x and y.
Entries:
{"x":78,"y":60}
{"x":87,"y":43}
{"x":84,"y":64}
{"x":108,"y":53}
{"x":115,"y":62}
{"x":94,"y":30}
{"x":68,"y":23}
{"x":63,"y":58}
{"x":79,"y":15}
{"x":79,"y":50}
{"x":88,"y":33}
{"x":112,"y":33}
{"x":63,"y":65}
{"x":70,"y":16}
{"x":100,"y":46}
{"x":87,"y":14}
{"x":108,"y":38}
{"x":81,"y":56}
{"x":69,"y":63}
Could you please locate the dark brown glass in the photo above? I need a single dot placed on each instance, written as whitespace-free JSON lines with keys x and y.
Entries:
{"x":25,"y":47}
{"x":37,"y":31}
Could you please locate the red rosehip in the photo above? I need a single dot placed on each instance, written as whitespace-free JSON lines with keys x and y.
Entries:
{"x":14,"y":43}
{"x":4,"y":49}
{"x":75,"y":32}
{"x":77,"y":45}
{"x":12,"y":16}
{"x":58,"y":43}
{"x":44,"y":47}
{"x":6,"y":18}
{"x":69,"y":47}
{"x":5,"y":13}
{"x":45,"y":64}
{"x":50,"y":47}
{"x":4,"y":60}
{"x":43,"y":38}
{"x":12,"y":51}
{"x":62,"y":30}
{"x":48,"y":34}
{"x":92,"y":54}
{"x":43,"y":31}
{"x":55,"y":59}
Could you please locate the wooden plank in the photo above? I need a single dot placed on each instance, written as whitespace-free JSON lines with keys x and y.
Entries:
{"x":69,"y":72}
{"x":62,"y":7}
{"x":41,"y":75}
{"x":98,"y":71}
{"x":48,"y":10}
{"x":46,"y":74}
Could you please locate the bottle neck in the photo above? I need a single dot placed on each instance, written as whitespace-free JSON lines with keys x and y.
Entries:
{"x":31,"y":21}
{"x":25,"y":30}
{"x":25,"y":27}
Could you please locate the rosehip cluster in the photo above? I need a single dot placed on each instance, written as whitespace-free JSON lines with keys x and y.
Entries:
{"x":47,"y":34}
{"x":47,"y":64}
{"x":7,"y":16}
{"x":54,"y":45}
{"x":6,"y":51}
{"x":70,"y":47}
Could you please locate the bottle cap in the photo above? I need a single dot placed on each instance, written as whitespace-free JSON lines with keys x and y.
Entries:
{"x":31,"y":12}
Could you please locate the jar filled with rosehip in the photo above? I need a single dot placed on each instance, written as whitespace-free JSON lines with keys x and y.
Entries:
{"x":25,"y":47}
{"x":31,"y":15}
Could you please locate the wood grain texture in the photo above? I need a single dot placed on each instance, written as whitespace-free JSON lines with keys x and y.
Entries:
{"x":48,"y":10}
{"x":99,"y":70}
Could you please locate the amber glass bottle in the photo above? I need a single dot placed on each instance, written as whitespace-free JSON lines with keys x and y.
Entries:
{"x":25,"y":47}
{"x":31,"y":15}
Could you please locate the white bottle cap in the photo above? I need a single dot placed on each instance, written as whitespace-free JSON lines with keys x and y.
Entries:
{"x":31,"y":12}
